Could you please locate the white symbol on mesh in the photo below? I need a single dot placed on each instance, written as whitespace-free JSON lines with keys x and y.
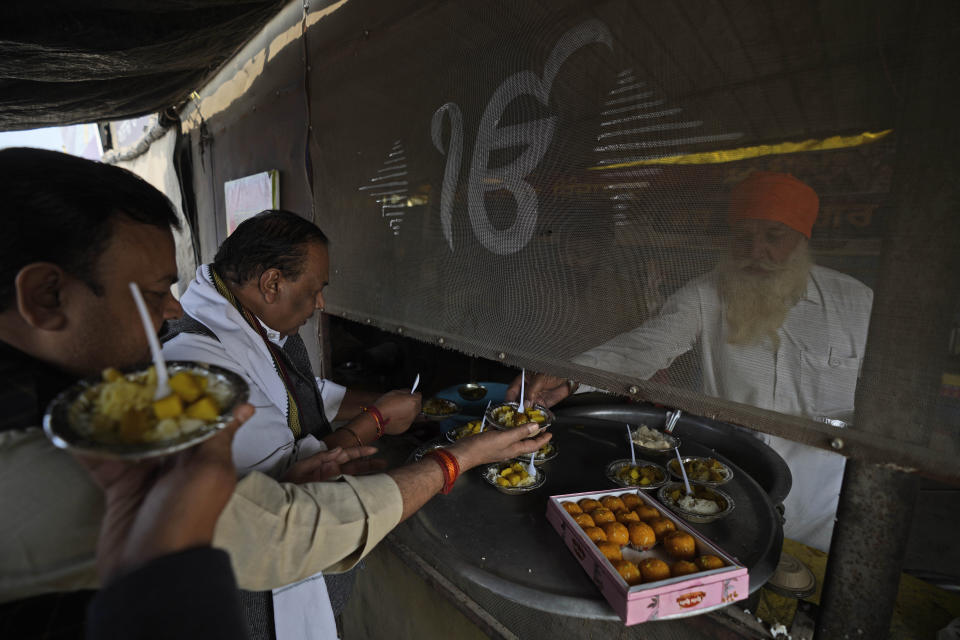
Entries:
{"x":534,"y":135}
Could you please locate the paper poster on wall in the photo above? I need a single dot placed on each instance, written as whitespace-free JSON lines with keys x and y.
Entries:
{"x":245,"y":197}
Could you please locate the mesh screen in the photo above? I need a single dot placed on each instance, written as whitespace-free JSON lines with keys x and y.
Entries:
{"x":548,"y":184}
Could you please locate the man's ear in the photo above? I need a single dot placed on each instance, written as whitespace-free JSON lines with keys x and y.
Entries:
{"x":38,"y":289}
{"x":270,"y":285}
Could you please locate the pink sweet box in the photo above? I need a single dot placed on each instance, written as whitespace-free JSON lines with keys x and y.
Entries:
{"x":671,"y":598}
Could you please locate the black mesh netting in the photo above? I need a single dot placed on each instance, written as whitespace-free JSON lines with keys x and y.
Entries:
{"x":77,"y":61}
{"x":535,"y":181}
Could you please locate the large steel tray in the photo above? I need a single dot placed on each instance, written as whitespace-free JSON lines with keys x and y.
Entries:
{"x":504,"y":543}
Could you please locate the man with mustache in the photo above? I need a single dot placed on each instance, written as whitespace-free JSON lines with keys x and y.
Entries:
{"x":770,"y":329}
{"x":73,"y":235}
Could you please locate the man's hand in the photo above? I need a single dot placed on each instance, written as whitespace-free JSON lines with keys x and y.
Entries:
{"x":542,"y":389}
{"x":400,"y":408}
{"x":333,"y":463}
{"x":159,"y":507}
{"x":494,"y":446}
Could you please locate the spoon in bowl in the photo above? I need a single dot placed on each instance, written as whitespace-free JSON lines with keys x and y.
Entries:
{"x":160,"y":365}
{"x":483,"y":422}
{"x":523,"y":381}
{"x":683,"y":472}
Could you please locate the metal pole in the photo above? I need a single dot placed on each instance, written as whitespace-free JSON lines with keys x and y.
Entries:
{"x":866,"y":553}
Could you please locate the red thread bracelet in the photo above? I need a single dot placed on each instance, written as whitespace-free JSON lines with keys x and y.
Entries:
{"x":449,"y":466}
{"x":377,"y":417}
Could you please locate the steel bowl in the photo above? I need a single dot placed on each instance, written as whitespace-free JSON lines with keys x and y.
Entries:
{"x":424,"y":449}
{"x":452,"y":409}
{"x":654,"y":453}
{"x":472,"y":391}
{"x":67,"y":418}
{"x":451,"y":434}
{"x":496,"y":424}
{"x":490,"y":472}
{"x":617,"y":465}
{"x":674,"y":467}
{"x":722,"y":498}
{"x":540,"y":458}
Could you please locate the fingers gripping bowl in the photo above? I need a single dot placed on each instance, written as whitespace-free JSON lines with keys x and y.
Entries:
{"x":506,"y":416}
{"x":115,"y":416}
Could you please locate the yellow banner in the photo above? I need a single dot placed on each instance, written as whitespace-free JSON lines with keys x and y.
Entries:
{"x":744,"y":153}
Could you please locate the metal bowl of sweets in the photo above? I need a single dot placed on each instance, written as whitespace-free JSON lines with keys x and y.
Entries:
{"x":641,"y":475}
{"x":117,"y":415}
{"x":439,"y":409}
{"x":706,"y":471}
{"x":513,"y":477}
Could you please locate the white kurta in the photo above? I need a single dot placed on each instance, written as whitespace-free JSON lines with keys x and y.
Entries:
{"x":812,"y":373}
{"x":264,"y":443}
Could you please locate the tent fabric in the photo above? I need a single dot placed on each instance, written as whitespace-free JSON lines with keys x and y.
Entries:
{"x":80,"y":61}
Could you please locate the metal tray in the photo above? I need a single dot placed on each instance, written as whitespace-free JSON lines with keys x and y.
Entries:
{"x":504,"y":544}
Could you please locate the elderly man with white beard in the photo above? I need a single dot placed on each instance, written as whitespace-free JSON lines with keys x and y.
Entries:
{"x":770,"y":328}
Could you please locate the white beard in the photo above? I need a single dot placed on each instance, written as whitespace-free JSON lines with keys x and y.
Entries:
{"x":755,"y":305}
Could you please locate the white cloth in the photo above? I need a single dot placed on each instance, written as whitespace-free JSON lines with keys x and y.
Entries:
{"x":301,"y":611}
{"x":813,"y":372}
{"x":264,"y":443}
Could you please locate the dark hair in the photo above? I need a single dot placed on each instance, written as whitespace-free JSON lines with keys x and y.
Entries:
{"x":272,"y":239}
{"x":60,"y":208}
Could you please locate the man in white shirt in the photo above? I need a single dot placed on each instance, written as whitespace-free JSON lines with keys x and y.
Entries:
{"x":770,"y":329}
{"x":243,"y":311}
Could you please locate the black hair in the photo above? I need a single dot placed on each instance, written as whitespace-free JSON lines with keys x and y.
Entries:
{"x":272,"y":239}
{"x":60,"y":208}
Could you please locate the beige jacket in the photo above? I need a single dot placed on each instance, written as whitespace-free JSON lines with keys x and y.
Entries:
{"x":276,"y":533}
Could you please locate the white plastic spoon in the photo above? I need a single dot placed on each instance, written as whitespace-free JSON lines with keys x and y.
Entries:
{"x":483,"y":422}
{"x":163,"y":387}
{"x":672,"y":419}
{"x":633,"y":456}
{"x":416,"y":383}
{"x":532,"y":468}
{"x":523,"y":381}
{"x":683,"y":472}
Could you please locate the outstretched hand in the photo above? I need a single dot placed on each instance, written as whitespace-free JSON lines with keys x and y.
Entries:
{"x":163,"y":506}
{"x":327,"y":465}
{"x":542,"y":389}
{"x":494,"y":446}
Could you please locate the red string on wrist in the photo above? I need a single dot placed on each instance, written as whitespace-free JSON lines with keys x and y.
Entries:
{"x":377,"y":417}
{"x":448,"y":465}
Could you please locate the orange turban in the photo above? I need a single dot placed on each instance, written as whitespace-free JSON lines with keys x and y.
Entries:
{"x":780,"y":197}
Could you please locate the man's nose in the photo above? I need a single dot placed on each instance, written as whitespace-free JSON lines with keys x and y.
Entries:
{"x":172,"y":309}
{"x":319,"y":303}
{"x":759,"y":250}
